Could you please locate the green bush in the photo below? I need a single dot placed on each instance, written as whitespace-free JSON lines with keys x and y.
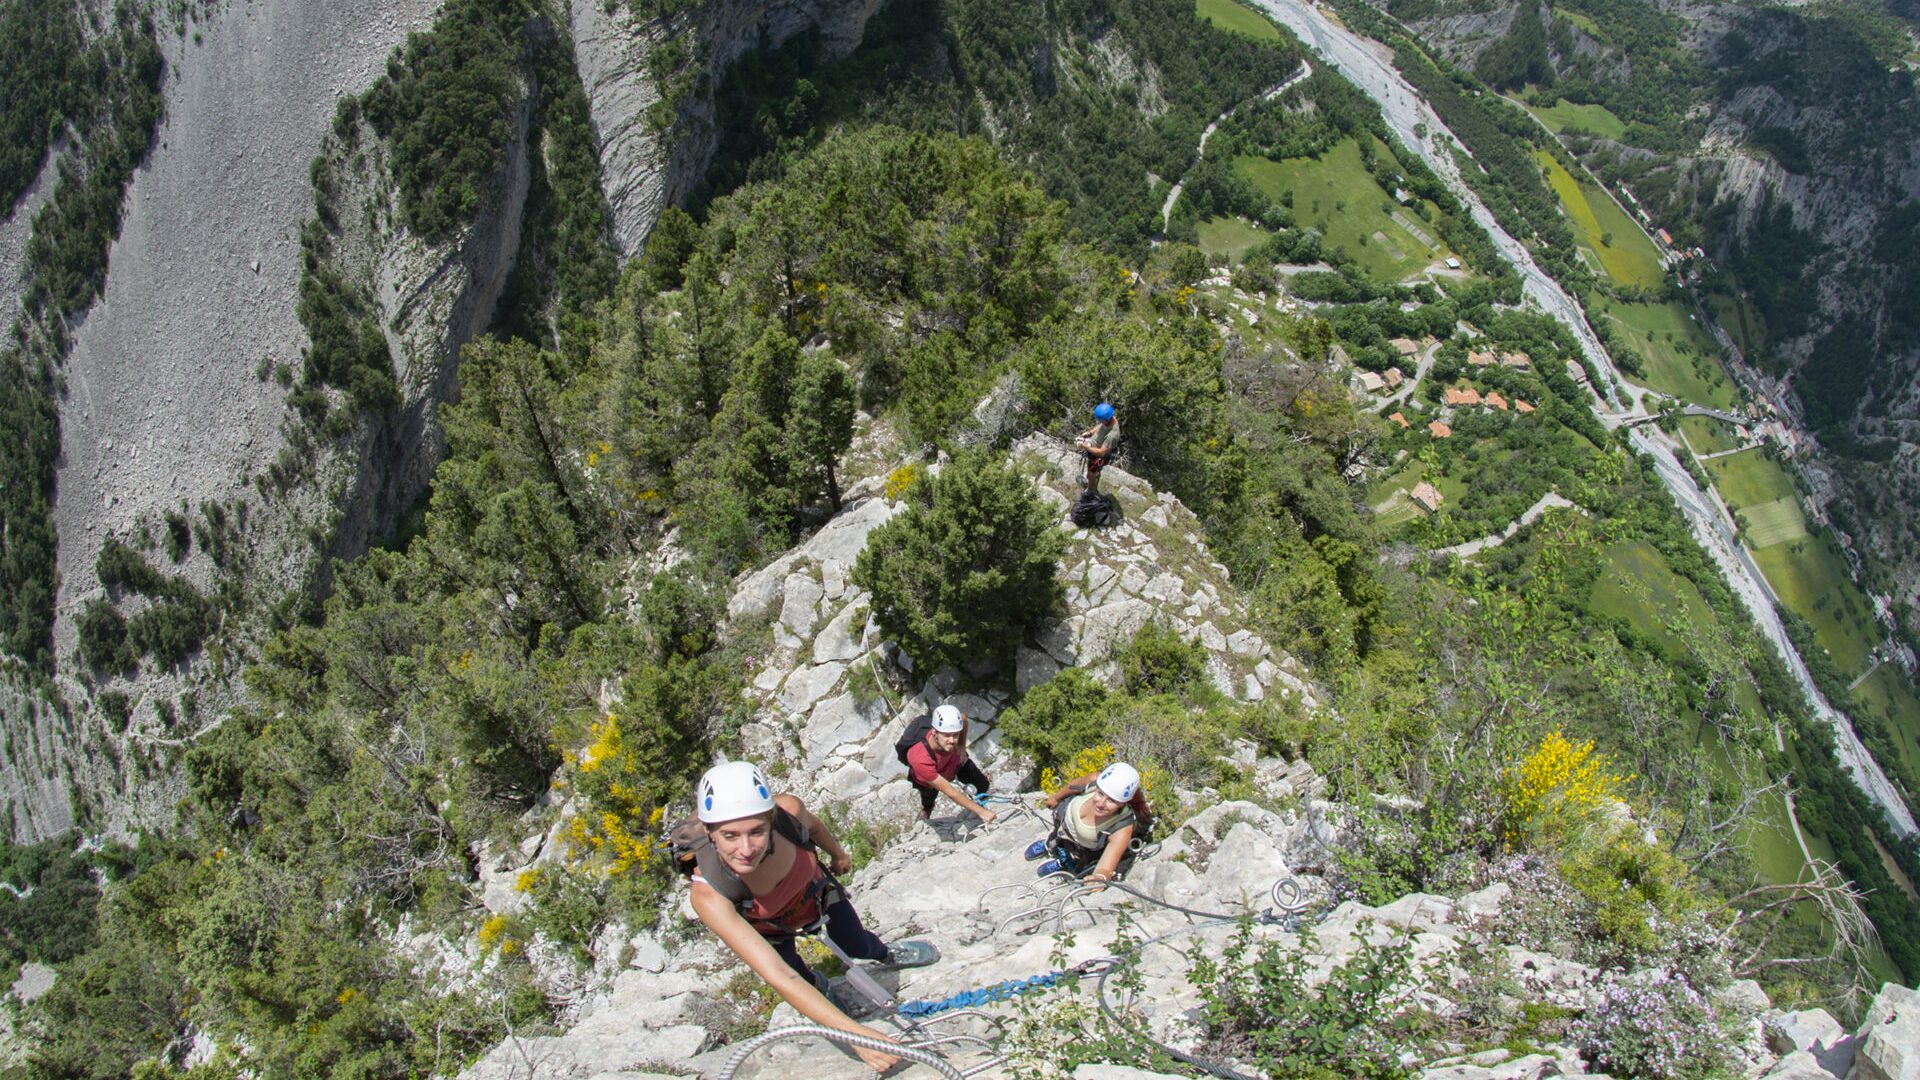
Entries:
{"x":171,"y":630}
{"x":968,"y":569}
{"x":1267,"y":1006}
{"x":103,"y":639}
{"x":1061,"y":717}
{"x":1158,"y":659}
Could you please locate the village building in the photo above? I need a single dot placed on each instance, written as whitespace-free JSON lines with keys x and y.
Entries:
{"x":1404,"y":346}
{"x":1575,"y":372}
{"x":1462,"y":395}
{"x":1395,"y":377}
{"x":1521,"y":406}
{"x":1439,"y":430}
{"x":1427,"y":496}
{"x":1398,"y":418}
{"x":1371,"y":382}
{"x":1495,"y":401}
{"x":1518,"y":360}
{"x":1480,"y":359}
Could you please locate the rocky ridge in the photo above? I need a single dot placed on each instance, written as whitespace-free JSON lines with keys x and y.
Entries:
{"x":674,"y":1002}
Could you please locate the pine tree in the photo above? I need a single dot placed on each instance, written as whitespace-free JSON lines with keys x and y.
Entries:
{"x":968,"y":568}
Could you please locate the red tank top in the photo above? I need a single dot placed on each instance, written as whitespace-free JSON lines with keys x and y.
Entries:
{"x":794,"y":902}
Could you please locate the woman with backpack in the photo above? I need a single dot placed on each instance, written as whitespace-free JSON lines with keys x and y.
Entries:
{"x":1096,"y":819}
{"x":759,"y":883}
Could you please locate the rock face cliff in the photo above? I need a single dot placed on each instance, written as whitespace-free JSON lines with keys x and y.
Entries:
{"x":170,"y":401}
{"x":164,"y":405}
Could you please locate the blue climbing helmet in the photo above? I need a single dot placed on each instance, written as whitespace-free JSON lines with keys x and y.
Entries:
{"x":1103,"y":412}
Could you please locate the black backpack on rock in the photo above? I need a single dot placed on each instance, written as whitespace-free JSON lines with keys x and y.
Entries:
{"x":1092,"y":510}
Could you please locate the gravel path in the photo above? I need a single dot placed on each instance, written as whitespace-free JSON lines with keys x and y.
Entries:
{"x":163,"y":401}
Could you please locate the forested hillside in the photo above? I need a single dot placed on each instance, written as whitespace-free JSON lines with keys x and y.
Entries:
{"x":916,"y":256}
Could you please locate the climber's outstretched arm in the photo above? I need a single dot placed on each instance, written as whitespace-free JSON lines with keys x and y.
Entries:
{"x":723,"y":919}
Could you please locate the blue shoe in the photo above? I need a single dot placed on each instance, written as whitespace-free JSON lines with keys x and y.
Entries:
{"x":1036,"y":849}
{"x":1049,"y":868}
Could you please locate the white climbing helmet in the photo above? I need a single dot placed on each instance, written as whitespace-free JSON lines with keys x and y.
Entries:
{"x":732,"y":791}
{"x":948,"y":720}
{"x":1119,"y":781}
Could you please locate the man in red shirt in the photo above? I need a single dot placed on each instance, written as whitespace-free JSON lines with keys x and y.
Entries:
{"x":937,"y":760}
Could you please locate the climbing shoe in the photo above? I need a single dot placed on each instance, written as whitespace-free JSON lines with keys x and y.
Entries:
{"x":906,"y":954}
{"x":1050,"y":868}
{"x":1036,"y":849}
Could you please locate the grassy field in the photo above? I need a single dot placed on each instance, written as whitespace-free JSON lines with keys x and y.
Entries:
{"x":1659,"y":331}
{"x":1335,"y":194}
{"x":1228,"y":15}
{"x":1810,"y":576}
{"x":1230,"y":237}
{"x":1886,"y":695}
{"x":1637,"y":585}
{"x":1776,"y":522}
{"x":1592,"y":119}
{"x":1624,"y":252}
{"x":1707,"y":435}
{"x":1749,"y":479}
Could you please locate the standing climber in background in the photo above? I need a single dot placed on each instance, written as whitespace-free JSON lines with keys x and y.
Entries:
{"x":934,"y":750}
{"x":1099,"y":442}
{"x":1096,"y":820}
{"x":758,"y":883}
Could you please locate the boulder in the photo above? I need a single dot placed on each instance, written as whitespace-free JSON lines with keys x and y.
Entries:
{"x":1244,"y":868}
{"x":1110,"y":626}
{"x":841,"y":539}
{"x":1484,"y":903}
{"x":837,"y":721}
{"x":1742,"y":996}
{"x":842,"y":637}
{"x":810,"y":684}
{"x":1889,"y":1039}
{"x":1031,"y":667}
{"x":1798,"y":1065}
{"x":759,"y":593}
{"x":800,"y":610}
{"x":1246,"y":643}
{"x":1814,"y":1031}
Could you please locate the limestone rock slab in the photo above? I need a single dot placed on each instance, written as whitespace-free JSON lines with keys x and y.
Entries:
{"x":810,"y":684}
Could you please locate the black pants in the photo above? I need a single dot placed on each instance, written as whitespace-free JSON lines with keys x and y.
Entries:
{"x":843,"y":926}
{"x":969,"y":774}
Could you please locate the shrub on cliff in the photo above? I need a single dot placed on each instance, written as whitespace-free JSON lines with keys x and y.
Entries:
{"x":969,"y":567}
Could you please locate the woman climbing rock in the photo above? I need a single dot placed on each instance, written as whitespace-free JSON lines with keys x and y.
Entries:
{"x":1096,"y":820}
{"x":758,"y":882}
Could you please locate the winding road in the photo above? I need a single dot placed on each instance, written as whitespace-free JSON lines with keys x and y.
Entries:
{"x":1166,"y":210}
{"x":1368,"y":65}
